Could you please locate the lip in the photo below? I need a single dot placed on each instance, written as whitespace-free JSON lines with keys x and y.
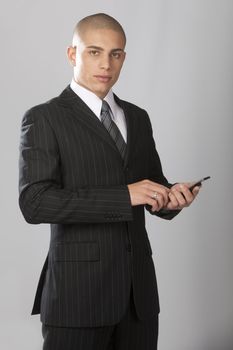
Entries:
{"x":103,"y":78}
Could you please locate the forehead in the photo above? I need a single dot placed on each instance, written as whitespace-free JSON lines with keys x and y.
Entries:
{"x":105,"y":38}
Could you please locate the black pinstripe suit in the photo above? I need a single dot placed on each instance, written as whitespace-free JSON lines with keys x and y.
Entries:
{"x":72,"y":176}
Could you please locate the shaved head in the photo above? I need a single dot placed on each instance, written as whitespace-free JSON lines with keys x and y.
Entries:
{"x":94,"y":22}
{"x":97,"y":53}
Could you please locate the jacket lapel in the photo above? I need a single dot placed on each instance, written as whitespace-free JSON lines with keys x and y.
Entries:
{"x":132,"y":128}
{"x":77,"y":108}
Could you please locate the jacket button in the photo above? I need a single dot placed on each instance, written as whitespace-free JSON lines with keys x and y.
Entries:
{"x":128,"y":247}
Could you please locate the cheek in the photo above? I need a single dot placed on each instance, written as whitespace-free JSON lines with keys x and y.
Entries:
{"x":85,"y":70}
{"x":117,"y":70}
{"x":90,"y":68}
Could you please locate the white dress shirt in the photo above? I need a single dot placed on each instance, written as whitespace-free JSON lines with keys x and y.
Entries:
{"x":95,"y":104}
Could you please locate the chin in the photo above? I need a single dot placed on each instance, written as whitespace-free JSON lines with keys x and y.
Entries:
{"x":102,"y":93}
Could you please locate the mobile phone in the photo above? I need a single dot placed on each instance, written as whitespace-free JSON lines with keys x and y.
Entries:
{"x":199,"y":183}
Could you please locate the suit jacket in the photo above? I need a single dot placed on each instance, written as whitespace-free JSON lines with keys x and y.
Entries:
{"x":73,"y":177}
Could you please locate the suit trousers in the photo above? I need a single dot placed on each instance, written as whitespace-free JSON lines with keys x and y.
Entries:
{"x":129,"y":334}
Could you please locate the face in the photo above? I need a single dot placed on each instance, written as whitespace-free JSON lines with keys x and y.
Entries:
{"x":97,"y":59}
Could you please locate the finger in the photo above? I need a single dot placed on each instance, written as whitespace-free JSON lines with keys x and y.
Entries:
{"x":147,"y":200}
{"x":156,"y":195}
{"x":187,"y":194}
{"x":196,"y":190}
{"x":160,"y":201}
{"x":154,"y":205}
{"x":180,"y":198}
{"x":163,"y":194}
{"x":173,"y":204}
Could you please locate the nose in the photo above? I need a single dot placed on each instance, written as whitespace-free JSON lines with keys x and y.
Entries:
{"x":105,"y":62}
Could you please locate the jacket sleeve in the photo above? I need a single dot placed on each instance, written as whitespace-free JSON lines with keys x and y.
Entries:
{"x":156,"y":174}
{"x":42,"y":199}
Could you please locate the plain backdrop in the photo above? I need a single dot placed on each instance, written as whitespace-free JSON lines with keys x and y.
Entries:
{"x":179,"y":68}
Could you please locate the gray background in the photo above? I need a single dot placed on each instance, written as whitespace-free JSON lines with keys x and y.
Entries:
{"x":179,"y":67}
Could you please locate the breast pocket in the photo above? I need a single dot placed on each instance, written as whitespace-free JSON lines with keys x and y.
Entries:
{"x":76,"y":251}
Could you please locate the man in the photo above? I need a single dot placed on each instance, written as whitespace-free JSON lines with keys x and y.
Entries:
{"x":88,"y":166}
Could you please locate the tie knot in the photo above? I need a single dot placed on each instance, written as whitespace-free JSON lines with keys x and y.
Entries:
{"x":105,"y":107}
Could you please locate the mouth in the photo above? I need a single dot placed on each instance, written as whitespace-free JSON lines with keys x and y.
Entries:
{"x":103,"y":78}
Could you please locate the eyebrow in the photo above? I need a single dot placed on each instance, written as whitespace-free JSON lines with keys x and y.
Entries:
{"x":101,"y":49}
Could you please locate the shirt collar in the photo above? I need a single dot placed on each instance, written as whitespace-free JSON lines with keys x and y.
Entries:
{"x":92,"y":100}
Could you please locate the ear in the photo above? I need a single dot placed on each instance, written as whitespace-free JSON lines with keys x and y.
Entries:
{"x":71,"y":54}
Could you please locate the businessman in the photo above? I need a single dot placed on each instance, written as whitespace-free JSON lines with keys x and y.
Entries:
{"x":89,"y":167}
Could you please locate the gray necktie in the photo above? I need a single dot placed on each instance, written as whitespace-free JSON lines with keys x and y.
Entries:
{"x":112,"y":128}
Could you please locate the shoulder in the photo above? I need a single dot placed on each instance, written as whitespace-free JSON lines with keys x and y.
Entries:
{"x":43,"y":111}
{"x":131,"y":107}
{"x":134,"y":110}
{"x":128,"y":105}
{"x":43,"y":108}
{"x":55,"y":106}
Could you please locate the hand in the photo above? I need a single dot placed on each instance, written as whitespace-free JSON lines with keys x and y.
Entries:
{"x":149,"y":192}
{"x":180,"y":196}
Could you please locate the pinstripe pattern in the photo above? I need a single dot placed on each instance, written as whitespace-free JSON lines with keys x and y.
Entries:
{"x":73,"y":177}
{"x":129,"y":333}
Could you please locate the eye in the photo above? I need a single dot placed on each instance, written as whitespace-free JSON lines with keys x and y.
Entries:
{"x":94,"y":52}
{"x":116,"y":55}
